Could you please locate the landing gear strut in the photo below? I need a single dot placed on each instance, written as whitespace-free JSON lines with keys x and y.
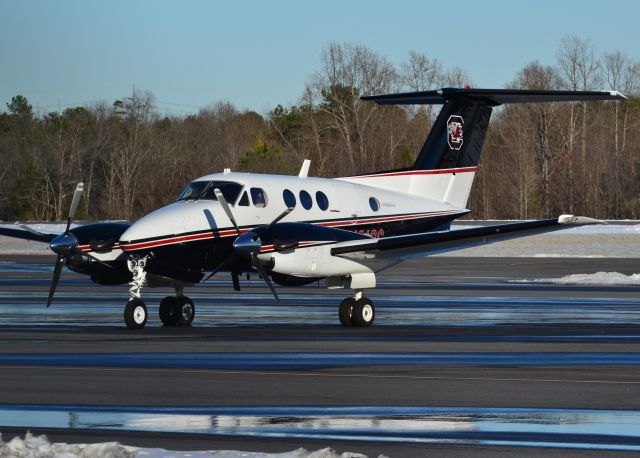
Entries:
{"x":177,"y":310}
{"x":357,"y":311}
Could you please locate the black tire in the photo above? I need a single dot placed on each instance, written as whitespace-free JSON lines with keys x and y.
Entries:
{"x":345,"y":311}
{"x":185,"y":310}
{"x":363,"y":313}
{"x":135,"y":314}
{"x":168,"y":312}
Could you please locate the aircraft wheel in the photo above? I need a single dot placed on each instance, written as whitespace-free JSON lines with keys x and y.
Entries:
{"x":169,"y":311}
{"x":185,"y":310}
{"x":363,"y":313}
{"x":135,"y":314}
{"x":345,"y":311}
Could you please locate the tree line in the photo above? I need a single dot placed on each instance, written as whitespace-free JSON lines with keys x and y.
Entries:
{"x":539,"y":160}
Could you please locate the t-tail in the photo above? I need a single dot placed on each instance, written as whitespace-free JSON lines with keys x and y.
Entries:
{"x":448,"y":161}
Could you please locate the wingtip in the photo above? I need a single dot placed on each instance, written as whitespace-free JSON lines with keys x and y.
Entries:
{"x":578,"y":220}
{"x":618,"y":95}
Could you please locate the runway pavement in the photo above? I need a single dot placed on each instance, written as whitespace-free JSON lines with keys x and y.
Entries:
{"x":464,"y":359}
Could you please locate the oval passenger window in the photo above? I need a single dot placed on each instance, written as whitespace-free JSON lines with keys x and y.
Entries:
{"x":322,"y":200}
{"x":305,"y":200}
{"x":289,"y":198}
{"x":374,"y":204}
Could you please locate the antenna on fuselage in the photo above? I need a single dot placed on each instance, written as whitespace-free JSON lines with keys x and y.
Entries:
{"x":304,"y":170}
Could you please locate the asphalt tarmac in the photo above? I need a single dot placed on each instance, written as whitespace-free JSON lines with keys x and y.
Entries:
{"x":467,"y":357}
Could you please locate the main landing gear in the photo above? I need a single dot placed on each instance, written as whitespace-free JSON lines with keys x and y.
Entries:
{"x":175,"y":310}
{"x":357,"y":311}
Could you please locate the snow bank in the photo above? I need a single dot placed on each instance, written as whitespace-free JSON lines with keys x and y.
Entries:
{"x":590,"y":241}
{"x":599,"y":278}
{"x":40,"y":447}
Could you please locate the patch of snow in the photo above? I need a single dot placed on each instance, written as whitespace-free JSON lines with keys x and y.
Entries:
{"x":599,"y":278}
{"x":39,"y":446}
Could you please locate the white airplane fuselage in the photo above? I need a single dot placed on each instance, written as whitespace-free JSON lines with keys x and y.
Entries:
{"x":360,"y":208}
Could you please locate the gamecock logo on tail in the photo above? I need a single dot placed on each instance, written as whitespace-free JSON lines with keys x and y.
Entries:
{"x":454,"y":128}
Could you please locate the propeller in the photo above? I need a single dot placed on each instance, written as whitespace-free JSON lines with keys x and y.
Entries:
{"x":65,"y":244}
{"x":247,"y":245}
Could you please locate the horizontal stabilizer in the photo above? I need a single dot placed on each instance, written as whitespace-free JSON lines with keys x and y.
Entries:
{"x":491,"y":97}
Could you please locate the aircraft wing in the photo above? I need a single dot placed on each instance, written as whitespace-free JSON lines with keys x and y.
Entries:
{"x":20,"y":231}
{"x":414,"y":245}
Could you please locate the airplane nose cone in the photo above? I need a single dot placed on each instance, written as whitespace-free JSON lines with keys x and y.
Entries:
{"x":64,"y":245}
{"x":176,"y":223}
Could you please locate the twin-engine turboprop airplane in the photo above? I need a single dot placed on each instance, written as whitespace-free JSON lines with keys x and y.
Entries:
{"x":298,"y":229}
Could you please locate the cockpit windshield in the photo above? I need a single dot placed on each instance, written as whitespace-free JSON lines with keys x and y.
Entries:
{"x":197,"y":190}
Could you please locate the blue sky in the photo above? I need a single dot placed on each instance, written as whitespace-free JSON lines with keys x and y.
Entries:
{"x":257,"y":54}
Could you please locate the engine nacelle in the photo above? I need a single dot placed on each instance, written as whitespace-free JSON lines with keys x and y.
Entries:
{"x":317,"y":262}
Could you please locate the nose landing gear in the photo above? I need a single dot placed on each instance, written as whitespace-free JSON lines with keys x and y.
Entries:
{"x":135,"y":312}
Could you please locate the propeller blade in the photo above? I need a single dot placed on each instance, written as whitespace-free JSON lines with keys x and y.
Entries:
{"x":56,"y":276}
{"x":263,"y":273}
{"x":280,"y":216}
{"x":226,"y":208}
{"x":74,"y":205}
{"x":30,"y":229}
{"x":236,"y":281}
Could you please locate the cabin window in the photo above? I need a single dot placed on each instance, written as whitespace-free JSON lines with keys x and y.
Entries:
{"x":259,"y":197}
{"x":374,"y":204}
{"x":322,"y":200}
{"x":289,"y":198}
{"x":244,"y":200}
{"x":305,"y":200}
{"x":197,"y":190}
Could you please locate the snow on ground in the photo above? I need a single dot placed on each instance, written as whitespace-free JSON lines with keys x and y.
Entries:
{"x":39,"y":446}
{"x":599,"y":278}
{"x":615,"y":240}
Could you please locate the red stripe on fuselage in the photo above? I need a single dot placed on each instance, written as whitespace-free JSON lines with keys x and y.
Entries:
{"x":419,"y":172}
